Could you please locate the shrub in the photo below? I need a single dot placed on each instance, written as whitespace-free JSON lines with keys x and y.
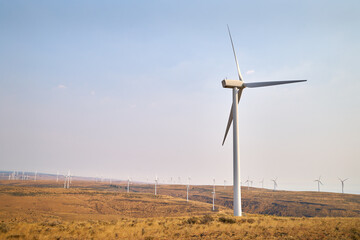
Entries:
{"x":206,"y":219}
{"x":192,"y":220}
{"x":227,"y":220}
{"x":250,"y":220}
{"x":4,"y":228}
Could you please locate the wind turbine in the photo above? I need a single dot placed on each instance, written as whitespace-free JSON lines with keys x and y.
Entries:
{"x":248,"y":182}
{"x":35,"y":176}
{"x":213,"y":194}
{"x":342,"y":184}
{"x":187,"y":189}
{"x":237,"y":87}
{"x":156,"y":182}
{"x":67,"y":180}
{"x":262,"y":183}
{"x":275,"y":183}
{"x":57,"y":176}
{"x":318,"y":183}
{"x":128,"y":185}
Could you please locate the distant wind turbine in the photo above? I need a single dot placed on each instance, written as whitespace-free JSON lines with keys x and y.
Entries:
{"x":67,"y":180}
{"x":35,"y":176}
{"x":128,"y":185}
{"x":342,"y":184}
{"x":57,"y":176}
{"x":262,"y":183}
{"x":213,"y":194}
{"x":237,"y":87}
{"x":318,"y":183}
{"x":156,"y":182}
{"x":249,"y":182}
{"x":187,"y":189}
{"x":275,"y":183}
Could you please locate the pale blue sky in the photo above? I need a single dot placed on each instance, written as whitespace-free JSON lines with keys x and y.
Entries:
{"x":133,"y":89}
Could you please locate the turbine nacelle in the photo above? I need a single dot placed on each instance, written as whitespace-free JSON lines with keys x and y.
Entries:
{"x":232,"y":83}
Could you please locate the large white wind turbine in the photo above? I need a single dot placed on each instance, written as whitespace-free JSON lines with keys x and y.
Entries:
{"x":238,"y":86}
{"x":342,"y":184}
{"x":318,"y":183}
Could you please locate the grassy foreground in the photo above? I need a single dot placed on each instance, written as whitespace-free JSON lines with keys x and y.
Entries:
{"x":196,"y":227}
{"x":41,"y":210}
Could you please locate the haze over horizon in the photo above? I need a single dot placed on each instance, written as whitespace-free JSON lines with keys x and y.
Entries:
{"x":134,"y":89}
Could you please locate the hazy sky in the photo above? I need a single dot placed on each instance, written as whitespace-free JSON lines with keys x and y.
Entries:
{"x":133,"y":88}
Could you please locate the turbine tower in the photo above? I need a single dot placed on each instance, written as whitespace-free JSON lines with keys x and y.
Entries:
{"x":275,"y":183}
{"x":213,"y":193}
{"x":187,"y":189}
{"x":342,"y":184}
{"x":34,"y":176}
{"x":237,"y":87}
{"x":156,"y":182}
{"x":262,"y":183}
{"x":248,"y":182}
{"x":57,"y":176}
{"x":318,"y":183}
{"x":128,"y":185}
{"x":67,"y":180}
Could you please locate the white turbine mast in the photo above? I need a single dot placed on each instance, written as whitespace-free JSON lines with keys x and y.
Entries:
{"x":128,"y":185}
{"x":35,"y":175}
{"x":57,"y":176}
{"x":275,"y":183}
{"x":213,"y":195}
{"x":187,"y":189}
{"x":249,"y":182}
{"x":237,"y":87}
{"x":262,"y":183}
{"x":318,"y":183}
{"x":342,"y":184}
{"x":156,"y":182}
{"x":67,"y":180}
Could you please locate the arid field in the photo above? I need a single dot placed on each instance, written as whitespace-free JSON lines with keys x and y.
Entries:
{"x":93,"y":210}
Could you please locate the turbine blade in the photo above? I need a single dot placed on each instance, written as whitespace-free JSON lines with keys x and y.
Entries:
{"x":236,"y":61}
{"x":272,"y":83}
{"x":345,"y":179}
{"x":231,"y":117}
{"x":228,"y":124}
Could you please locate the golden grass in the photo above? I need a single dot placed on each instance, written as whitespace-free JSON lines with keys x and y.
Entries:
{"x":196,"y":227}
{"x":44,"y":210}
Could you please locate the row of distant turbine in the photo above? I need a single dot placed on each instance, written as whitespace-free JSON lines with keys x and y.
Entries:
{"x":249,"y":183}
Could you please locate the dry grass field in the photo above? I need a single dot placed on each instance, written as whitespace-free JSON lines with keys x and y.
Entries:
{"x":89,"y":210}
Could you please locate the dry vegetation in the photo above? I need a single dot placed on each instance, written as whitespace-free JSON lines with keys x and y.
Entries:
{"x":88,"y":210}
{"x":196,"y":227}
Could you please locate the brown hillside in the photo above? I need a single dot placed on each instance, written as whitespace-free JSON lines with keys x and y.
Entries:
{"x":254,"y":200}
